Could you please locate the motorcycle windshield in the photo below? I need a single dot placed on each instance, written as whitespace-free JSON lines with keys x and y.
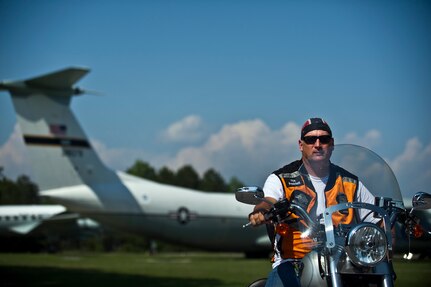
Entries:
{"x":370,"y":168}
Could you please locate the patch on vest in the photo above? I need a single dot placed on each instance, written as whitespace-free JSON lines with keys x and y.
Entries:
{"x":300,"y":198}
{"x":292,"y":179}
{"x":342,"y":198}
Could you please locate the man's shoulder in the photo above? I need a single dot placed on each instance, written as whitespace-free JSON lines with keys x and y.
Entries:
{"x":289,"y":168}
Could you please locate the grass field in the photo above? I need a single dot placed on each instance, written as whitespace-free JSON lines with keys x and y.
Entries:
{"x":163,"y":270}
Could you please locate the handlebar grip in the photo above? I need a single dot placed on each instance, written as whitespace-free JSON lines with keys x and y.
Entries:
{"x":268,"y":216}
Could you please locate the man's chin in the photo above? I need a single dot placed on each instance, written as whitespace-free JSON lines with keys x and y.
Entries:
{"x":318,"y":158}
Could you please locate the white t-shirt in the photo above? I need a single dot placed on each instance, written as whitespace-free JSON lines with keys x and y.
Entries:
{"x":274,"y":188}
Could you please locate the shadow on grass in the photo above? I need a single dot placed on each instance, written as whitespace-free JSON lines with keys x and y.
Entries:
{"x":49,"y":276}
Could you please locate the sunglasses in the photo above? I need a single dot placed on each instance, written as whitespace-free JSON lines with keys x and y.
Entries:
{"x":322,"y":139}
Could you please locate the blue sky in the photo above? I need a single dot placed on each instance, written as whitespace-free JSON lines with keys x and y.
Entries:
{"x":227,"y":84}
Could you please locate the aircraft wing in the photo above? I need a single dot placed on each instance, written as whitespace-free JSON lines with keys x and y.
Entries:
{"x":24,"y":228}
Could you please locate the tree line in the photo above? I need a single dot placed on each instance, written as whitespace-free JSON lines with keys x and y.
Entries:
{"x":186,"y":176}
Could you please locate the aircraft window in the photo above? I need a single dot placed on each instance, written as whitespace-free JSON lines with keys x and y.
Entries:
{"x":24,"y":217}
{"x":7,"y":217}
{"x":15,"y":217}
{"x":33,"y":217}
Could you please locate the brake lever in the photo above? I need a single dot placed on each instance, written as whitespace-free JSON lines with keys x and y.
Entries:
{"x":246,"y":225}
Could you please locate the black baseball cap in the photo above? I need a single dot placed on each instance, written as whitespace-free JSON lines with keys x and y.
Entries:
{"x":315,"y":124}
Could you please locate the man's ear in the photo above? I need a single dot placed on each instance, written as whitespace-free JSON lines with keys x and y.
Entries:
{"x":300,"y":143}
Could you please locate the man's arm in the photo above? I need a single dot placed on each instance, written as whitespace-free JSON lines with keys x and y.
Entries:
{"x":273,"y":190}
{"x":257,"y":216}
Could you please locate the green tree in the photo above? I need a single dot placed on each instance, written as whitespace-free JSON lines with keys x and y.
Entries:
{"x":27,"y":189}
{"x":166,"y":176}
{"x":8,"y":191}
{"x":212,"y":181}
{"x":23,"y":191}
{"x":142,"y":169}
{"x":234,"y":184}
{"x":186,"y":176}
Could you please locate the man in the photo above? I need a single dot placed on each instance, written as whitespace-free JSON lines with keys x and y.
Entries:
{"x":314,"y":183}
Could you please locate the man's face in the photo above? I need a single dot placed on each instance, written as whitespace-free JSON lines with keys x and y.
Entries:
{"x":317,"y":150}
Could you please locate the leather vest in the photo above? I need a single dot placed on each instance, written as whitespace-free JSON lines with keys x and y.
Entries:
{"x":341,"y":187}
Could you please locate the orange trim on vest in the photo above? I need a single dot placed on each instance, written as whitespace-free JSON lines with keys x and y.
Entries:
{"x":293,"y":244}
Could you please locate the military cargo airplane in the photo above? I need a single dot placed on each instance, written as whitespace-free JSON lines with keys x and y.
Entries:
{"x":68,"y":170}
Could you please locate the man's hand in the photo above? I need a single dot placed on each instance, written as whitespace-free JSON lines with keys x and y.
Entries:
{"x":257,"y":217}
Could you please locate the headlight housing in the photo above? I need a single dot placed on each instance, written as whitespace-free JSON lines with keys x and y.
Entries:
{"x":366,"y":245}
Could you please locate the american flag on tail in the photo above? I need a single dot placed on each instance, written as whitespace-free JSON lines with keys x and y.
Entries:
{"x":58,"y":130}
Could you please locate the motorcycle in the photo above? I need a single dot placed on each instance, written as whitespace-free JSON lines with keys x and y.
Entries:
{"x":358,"y":254}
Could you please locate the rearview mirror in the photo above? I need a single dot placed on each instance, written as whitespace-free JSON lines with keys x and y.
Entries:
{"x":250,"y":195}
{"x":421,"y":201}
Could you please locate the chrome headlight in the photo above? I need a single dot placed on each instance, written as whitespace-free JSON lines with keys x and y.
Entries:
{"x":366,"y":245}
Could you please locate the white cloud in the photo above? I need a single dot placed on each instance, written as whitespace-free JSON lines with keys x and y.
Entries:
{"x":413,"y":167}
{"x":124,"y":158}
{"x":249,"y":150}
{"x":370,"y":140}
{"x":187,"y":130}
{"x":117,"y":158}
{"x":13,"y":157}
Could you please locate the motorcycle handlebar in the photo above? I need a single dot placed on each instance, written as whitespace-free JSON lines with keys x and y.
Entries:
{"x":281,"y":209}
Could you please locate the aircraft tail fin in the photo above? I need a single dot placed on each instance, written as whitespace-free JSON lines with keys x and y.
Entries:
{"x":59,"y":150}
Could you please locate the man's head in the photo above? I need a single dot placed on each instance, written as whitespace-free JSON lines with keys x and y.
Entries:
{"x":316,"y":143}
